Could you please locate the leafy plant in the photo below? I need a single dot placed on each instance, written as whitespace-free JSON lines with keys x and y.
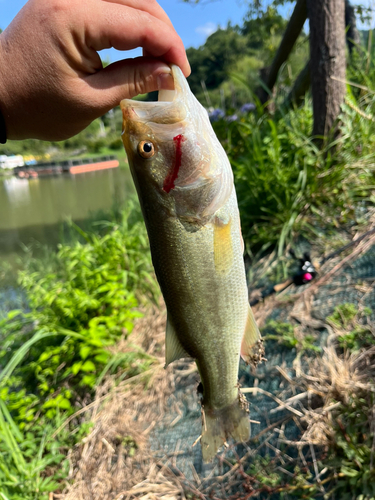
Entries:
{"x":284,"y":334}
{"x":53,"y":355}
{"x":352,"y":455}
{"x":354,"y":331}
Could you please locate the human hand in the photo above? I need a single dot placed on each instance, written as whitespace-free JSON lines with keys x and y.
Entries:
{"x":52,"y":83}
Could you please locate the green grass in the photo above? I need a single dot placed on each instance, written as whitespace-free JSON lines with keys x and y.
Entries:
{"x":81,"y":301}
{"x":286,"y":186}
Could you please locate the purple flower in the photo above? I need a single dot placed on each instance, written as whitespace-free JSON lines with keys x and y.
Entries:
{"x":216,"y":114}
{"x":248,"y":107}
{"x":231,"y":118}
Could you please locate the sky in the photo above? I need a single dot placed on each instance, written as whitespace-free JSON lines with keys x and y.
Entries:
{"x":194,"y":23}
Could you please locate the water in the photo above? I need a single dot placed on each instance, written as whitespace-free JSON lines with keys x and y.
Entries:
{"x":32,"y":210}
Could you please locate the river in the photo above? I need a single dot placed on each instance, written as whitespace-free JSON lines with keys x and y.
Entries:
{"x":32,"y":210}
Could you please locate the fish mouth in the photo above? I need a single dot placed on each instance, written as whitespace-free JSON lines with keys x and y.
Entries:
{"x":170,"y":108}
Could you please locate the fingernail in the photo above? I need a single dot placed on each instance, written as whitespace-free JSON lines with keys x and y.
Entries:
{"x":165,"y":81}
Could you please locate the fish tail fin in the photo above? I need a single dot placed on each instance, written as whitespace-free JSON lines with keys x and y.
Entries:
{"x":219,"y":425}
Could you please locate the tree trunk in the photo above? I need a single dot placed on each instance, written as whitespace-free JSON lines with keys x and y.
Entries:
{"x":291,"y":34}
{"x":302,"y":84}
{"x":327,"y":61}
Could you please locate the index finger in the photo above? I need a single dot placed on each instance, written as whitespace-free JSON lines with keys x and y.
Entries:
{"x":150,"y":6}
{"x":125,"y":28}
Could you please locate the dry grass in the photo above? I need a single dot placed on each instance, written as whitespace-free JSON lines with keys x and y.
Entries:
{"x":321,"y":391}
{"x":332,"y":380}
{"x":107,"y":467}
{"x":335,"y":378}
{"x":115,"y":461}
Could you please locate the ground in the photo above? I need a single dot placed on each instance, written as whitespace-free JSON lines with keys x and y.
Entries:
{"x":144,"y":442}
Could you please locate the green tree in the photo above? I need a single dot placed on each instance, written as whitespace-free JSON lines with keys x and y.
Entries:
{"x":263,"y":28}
{"x":210,"y":62}
{"x":327,"y":51}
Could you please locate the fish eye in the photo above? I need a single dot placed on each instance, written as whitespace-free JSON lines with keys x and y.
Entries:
{"x":146,"y":149}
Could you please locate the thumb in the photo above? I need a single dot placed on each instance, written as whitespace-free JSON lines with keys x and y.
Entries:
{"x":128,"y":78}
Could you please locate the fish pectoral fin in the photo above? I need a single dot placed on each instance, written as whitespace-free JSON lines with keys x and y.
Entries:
{"x":223,"y":246}
{"x":252,"y":349}
{"x":173,"y":347}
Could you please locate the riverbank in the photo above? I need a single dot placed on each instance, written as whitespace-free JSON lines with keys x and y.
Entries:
{"x":72,"y":167}
{"x":5,"y":172}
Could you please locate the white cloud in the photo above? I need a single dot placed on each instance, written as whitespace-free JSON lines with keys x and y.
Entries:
{"x":207,"y":29}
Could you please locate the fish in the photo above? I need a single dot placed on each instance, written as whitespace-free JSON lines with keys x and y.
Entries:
{"x":186,"y":191}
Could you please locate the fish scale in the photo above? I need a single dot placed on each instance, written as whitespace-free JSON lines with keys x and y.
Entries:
{"x":185,"y":187}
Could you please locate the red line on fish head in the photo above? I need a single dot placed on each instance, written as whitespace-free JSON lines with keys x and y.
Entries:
{"x":169,"y":181}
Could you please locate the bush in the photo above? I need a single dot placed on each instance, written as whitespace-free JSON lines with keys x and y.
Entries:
{"x":115,"y":144}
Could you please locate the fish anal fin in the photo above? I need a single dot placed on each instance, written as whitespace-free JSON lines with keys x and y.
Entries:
{"x":173,"y":347}
{"x":223,"y":246}
{"x":252,"y":349}
{"x":220,"y":425}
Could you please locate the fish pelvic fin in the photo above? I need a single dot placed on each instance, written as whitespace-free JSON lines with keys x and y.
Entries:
{"x":173,"y":347}
{"x":220,"y":425}
{"x":252,"y":349}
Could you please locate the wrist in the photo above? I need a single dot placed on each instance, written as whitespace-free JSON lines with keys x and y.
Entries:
{"x":3,"y":132}
{"x":10,"y":82}
{"x":3,"y":112}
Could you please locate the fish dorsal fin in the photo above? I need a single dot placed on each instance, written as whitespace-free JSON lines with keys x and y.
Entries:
{"x":252,"y":345}
{"x":173,"y":347}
